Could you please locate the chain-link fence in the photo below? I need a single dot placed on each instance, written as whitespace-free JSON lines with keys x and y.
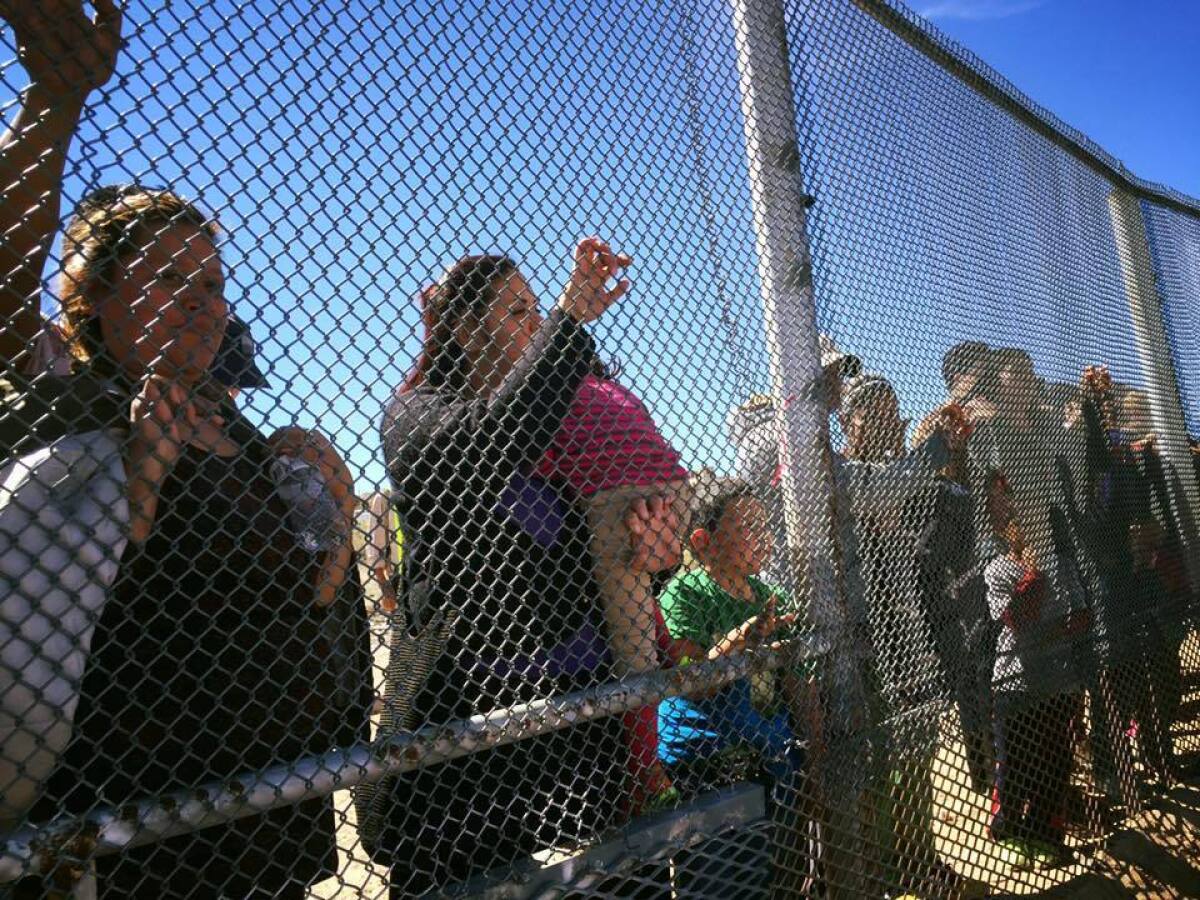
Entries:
{"x":827,"y":529}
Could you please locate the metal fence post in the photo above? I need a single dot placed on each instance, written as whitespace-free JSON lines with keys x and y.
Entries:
{"x":797,"y":379}
{"x":789,"y":306}
{"x":1158,"y":370}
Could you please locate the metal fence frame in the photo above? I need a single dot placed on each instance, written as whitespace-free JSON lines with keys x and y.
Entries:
{"x":146,"y":820}
{"x":790,"y":316}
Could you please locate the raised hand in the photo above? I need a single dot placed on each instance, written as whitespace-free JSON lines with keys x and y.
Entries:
{"x":953,"y":420}
{"x":65,"y":51}
{"x":315,"y":449}
{"x":587,"y":294}
{"x":1096,"y":380}
{"x":162,"y":419}
{"x":1097,"y":386}
{"x":762,"y":626}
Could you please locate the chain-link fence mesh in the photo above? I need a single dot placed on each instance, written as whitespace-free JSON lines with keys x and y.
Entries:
{"x":827,"y":529}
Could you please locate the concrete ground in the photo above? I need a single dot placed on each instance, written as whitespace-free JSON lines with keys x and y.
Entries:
{"x":358,"y":878}
{"x":1154,"y":854}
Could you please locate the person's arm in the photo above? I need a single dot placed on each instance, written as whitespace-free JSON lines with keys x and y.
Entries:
{"x":754,"y":434}
{"x":63,"y":532}
{"x":1015,"y":594}
{"x":315,"y":449}
{"x":468,"y":446}
{"x":1001,"y":576}
{"x":377,"y":555}
{"x":931,"y":455}
{"x":753,"y":631}
{"x":985,"y":481}
{"x":67,"y":56}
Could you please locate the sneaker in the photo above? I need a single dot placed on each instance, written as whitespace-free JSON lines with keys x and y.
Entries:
{"x":1016,"y":853}
{"x":1050,"y":855}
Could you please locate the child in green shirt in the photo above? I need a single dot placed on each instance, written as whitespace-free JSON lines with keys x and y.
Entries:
{"x":720,"y":609}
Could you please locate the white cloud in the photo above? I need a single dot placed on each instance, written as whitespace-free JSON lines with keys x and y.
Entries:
{"x":977,"y":9}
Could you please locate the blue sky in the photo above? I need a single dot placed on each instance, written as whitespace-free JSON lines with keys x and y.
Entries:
{"x":352,"y":154}
{"x":1122,"y":71}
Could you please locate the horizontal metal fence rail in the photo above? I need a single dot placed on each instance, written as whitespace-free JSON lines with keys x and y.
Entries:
{"x":651,"y":840}
{"x":144,"y":821}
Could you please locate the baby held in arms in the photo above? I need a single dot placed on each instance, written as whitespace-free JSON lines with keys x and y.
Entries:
{"x":612,"y":453}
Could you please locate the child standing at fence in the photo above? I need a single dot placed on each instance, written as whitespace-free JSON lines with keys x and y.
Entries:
{"x":1033,"y":717}
{"x":611,"y":452}
{"x":721,"y":609}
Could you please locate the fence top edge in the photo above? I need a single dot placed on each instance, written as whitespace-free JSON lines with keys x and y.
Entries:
{"x":961,"y":62}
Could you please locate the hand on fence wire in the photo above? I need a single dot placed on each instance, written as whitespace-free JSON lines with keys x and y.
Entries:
{"x":760,"y":627}
{"x":1097,"y":387}
{"x":163,"y":418}
{"x":752,"y":632}
{"x":587,"y":296}
{"x":315,"y":449}
{"x":653,"y":528}
{"x":952,"y":420}
{"x":66,"y":53}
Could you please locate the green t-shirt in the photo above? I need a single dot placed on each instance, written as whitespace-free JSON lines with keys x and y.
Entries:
{"x":696,"y":608}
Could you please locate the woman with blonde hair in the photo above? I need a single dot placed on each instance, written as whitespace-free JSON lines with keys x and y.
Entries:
{"x":175,"y":581}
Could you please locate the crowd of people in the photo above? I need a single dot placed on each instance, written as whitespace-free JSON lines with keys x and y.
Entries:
{"x":182,"y":603}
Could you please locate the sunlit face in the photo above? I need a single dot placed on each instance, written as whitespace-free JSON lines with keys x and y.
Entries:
{"x":498,"y":339}
{"x":166,"y":310}
{"x":1135,"y":414}
{"x":962,"y":383}
{"x":741,"y":544}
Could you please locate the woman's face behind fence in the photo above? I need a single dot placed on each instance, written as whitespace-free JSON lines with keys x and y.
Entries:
{"x":497,"y":337}
{"x":166,"y":310}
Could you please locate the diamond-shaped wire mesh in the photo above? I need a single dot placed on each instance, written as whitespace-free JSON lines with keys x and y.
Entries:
{"x":826,"y":527}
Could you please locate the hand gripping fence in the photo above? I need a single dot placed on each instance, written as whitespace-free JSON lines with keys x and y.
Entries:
{"x":691,"y":449}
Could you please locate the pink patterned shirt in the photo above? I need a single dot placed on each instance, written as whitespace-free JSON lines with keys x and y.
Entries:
{"x":609,"y":440}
